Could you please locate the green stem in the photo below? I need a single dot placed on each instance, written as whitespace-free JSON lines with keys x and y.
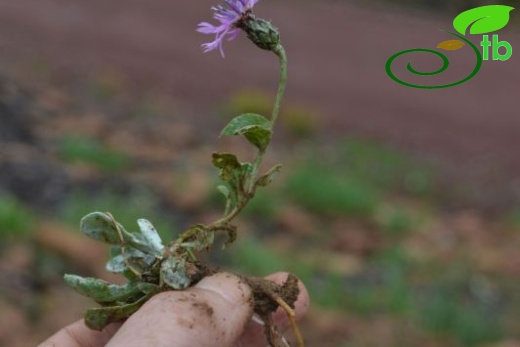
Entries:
{"x":280,"y":52}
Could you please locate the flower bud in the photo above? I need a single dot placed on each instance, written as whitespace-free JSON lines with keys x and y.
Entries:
{"x":263,"y":34}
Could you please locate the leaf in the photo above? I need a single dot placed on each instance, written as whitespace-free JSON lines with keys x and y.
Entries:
{"x":254,"y":127}
{"x":451,"y":45}
{"x":483,"y":19}
{"x":116,"y":264}
{"x":198,"y":237}
{"x":264,"y":180}
{"x":137,"y":259}
{"x":224,"y":191}
{"x":228,"y":165}
{"x":236,"y":174}
{"x":150,"y":234}
{"x":98,"y":318}
{"x":100,"y":227}
{"x":173,"y":273}
{"x":101,"y":291}
{"x":232,"y":236}
{"x":148,"y":288}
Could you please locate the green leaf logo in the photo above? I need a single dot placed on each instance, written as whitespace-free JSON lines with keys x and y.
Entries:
{"x":483,"y":19}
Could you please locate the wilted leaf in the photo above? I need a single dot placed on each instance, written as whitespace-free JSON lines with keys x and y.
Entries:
{"x":254,"y":127}
{"x":173,"y":273}
{"x":264,"y":180}
{"x":483,"y":19}
{"x":451,"y":45}
{"x":232,"y":236}
{"x":101,"y":291}
{"x":98,"y":318}
{"x":228,"y":164}
{"x":150,"y":234}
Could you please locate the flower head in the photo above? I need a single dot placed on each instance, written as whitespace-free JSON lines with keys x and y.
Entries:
{"x":229,"y":19}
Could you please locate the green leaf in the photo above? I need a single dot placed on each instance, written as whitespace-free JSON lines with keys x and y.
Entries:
{"x":173,"y":273}
{"x":483,"y":19}
{"x":148,"y":288}
{"x":264,"y":180}
{"x":254,"y":127}
{"x":98,"y":318}
{"x":101,"y":291}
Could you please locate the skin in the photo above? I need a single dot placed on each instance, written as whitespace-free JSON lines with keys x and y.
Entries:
{"x":215,"y":312}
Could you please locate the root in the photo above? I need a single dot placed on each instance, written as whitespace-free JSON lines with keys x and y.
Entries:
{"x":268,"y":296}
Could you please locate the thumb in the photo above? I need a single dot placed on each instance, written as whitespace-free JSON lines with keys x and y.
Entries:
{"x":212,"y":313}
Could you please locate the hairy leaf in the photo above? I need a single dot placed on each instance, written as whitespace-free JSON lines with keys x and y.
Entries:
{"x":99,"y":226}
{"x":173,"y":273}
{"x":137,"y":259}
{"x":101,"y":291}
{"x":150,"y":235}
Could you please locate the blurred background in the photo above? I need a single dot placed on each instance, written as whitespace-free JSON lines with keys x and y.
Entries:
{"x":398,"y":207}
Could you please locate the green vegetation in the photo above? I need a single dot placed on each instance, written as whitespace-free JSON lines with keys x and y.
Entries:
{"x":326,"y":191}
{"x":75,"y":149}
{"x":15,"y":219}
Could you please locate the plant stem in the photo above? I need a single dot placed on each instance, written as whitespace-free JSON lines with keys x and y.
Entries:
{"x":223,"y":223}
{"x":280,"y":52}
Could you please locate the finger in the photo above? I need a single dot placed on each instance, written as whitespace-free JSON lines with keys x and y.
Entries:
{"x":253,"y":335}
{"x":79,"y":335}
{"x":212,"y":313}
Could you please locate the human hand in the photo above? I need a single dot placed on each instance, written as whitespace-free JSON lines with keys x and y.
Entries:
{"x":215,"y":312}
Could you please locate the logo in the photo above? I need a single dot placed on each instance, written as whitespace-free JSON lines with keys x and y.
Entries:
{"x":480,"y":21}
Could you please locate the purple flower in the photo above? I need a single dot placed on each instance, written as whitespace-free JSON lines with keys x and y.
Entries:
{"x":228,"y":18}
